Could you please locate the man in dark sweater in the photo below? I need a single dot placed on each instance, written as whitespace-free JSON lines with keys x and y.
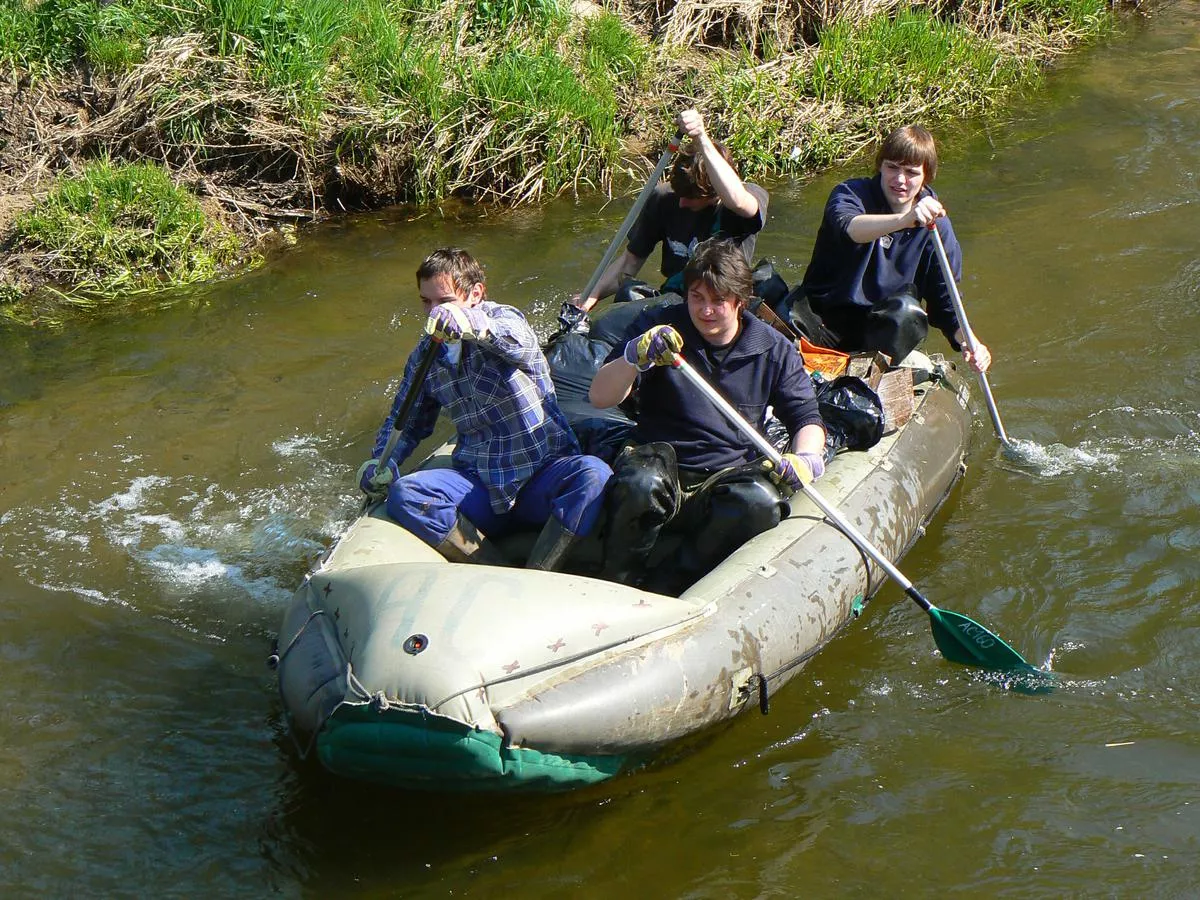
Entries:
{"x":692,"y":470}
{"x":874,"y":258}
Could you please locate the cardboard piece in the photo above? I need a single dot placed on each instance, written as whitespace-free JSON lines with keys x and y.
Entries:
{"x":895,"y":390}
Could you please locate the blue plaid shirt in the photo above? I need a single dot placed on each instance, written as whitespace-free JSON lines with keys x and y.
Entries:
{"x":501,"y":399}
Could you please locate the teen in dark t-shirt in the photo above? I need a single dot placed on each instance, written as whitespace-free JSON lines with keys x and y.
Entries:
{"x":705,"y":198}
{"x":679,"y":228}
{"x":874,"y":248}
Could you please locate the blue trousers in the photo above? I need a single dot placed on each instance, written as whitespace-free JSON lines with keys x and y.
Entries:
{"x":570,"y":488}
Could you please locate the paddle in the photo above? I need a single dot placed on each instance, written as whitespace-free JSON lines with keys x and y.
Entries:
{"x":406,"y":405}
{"x":960,"y":639}
{"x":971,"y":340}
{"x":631,"y":216}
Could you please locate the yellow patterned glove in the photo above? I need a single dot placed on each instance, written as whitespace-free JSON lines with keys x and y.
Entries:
{"x":657,"y":347}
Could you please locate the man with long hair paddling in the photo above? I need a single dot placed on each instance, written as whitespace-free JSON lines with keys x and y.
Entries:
{"x":690,"y":469}
{"x":874,"y":260}
{"x":515,"y":462}
{"x":703,"y":198}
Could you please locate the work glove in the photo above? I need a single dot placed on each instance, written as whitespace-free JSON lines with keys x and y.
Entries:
{"x":450,"y":323}
{"x":797,"y":469}
{"x":374,"y":482}
{"x":657,"y":347}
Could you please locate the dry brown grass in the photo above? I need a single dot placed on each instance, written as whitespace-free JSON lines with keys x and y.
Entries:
{"x":787,"y":25}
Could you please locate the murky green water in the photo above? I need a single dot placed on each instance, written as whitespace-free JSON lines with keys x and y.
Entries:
{"x":164,"y":482}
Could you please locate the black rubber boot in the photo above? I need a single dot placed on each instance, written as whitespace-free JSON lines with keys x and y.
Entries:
{"x":551,"y":547}
{"x":716,"y":520}
{"x":467,"y":544}
{"x":896,"y":325}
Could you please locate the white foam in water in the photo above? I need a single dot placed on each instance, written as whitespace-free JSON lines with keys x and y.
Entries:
{"x":134,"y":496}
{"x":297,"y":445}
{"x":1065,"y":681}
{"x":99,"y":598}
{"x":196,"y":567}
{"x":1169,"y":436}
{"x":199,"y":541}
{"x":1056,"y":459}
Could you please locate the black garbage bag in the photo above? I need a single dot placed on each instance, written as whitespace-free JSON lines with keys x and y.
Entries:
{"x":634,"y":290}
{"x":852,"y":412}
{"x":574,"y":359}
{"x":575,"y":355}
{"x":571,"y":318}
{"x":795,"y":308}
{"x":615,"y":325}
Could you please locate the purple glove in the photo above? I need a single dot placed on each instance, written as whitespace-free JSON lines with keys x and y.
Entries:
{"x":797,"y":469}
{"x":450,"y":322}
{"x":373,"y":482}
{"x":657,"y":347}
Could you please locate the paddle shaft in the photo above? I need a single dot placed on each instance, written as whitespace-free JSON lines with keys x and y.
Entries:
{"x":631,"y":216}
{"x":406,"y":405}
{"x":810,"y":492}
{"x":971,"y":341}
{"x":958,"y":638}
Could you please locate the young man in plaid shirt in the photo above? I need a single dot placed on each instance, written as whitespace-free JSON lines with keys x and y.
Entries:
{"x":516,"y":461}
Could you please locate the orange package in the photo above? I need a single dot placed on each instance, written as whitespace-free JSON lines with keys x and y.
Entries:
{"x":830,"y":363}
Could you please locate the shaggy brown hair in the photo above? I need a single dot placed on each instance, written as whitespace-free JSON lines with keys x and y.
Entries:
{"x":721,"y":264}
{"x":911,"y":145}
{"x":689,"y":174}
{"x":460,"y":265}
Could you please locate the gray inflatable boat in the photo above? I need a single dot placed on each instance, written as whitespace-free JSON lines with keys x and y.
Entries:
{"x":396,"y":666}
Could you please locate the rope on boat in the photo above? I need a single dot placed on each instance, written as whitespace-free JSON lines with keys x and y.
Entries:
{"x":275,"y":660}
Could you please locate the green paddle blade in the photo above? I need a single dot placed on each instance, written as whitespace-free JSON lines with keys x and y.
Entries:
{"x":963,"y":640}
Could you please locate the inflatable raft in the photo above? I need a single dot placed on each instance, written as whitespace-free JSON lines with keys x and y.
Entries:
{"x":396,"y":666}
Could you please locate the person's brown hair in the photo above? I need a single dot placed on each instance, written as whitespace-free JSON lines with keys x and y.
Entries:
{"x":460,"y":265}
{"x":689,"y":174}
{"x":911,"y":145}
{"x":721,"y":264}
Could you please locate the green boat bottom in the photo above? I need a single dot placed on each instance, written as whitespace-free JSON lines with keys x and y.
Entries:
{"x":410,"y":748}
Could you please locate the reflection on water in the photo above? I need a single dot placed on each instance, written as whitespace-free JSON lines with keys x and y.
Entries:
{"x":165,"y":482}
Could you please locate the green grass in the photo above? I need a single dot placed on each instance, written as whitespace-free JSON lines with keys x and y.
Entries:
{"x":125,"y":228}
{"x":888,"y":61}
{"x":1078,"y":16}
{"x":502,"y":99}
{"x":47,"y":36}
{"x":497,"y":16}
{"x":612,"y":53}
{"x":434,"y":68}
{"x":867,"y":75}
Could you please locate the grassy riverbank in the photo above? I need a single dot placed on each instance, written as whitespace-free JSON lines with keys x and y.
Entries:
{"x":268,"y":113}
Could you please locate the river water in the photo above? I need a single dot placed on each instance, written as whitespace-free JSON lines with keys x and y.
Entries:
{"x":166,"y":479}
